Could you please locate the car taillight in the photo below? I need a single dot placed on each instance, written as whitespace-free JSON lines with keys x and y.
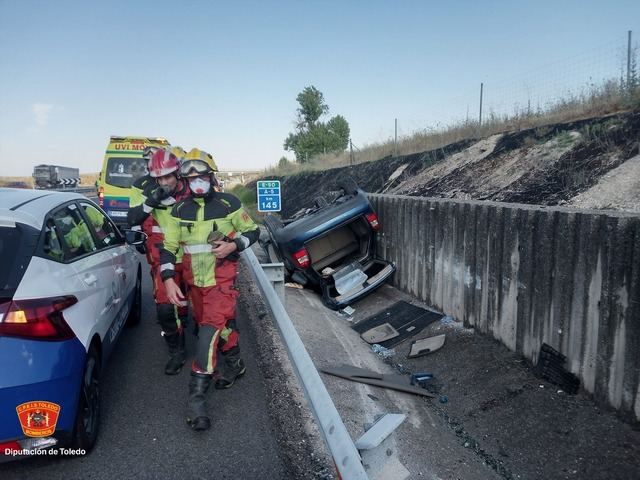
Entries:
{"x":372,"y":218}
{"x":39,"y":318}
{"x":302,"y":257}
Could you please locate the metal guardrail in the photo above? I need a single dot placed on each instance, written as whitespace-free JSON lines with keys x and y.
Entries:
{"x":344,"y":452}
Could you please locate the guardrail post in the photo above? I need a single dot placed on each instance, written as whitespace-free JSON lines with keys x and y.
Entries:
{"x":275,"y":274}
{"x":344,"y":452}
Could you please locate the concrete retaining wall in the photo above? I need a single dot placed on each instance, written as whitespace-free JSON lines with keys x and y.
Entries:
{"x":528,"y":275}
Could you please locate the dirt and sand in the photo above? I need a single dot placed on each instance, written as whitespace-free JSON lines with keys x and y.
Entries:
{"x":590,"y":163}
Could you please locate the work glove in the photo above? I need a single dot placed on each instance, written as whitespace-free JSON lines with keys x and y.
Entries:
{"x":155,"y":197}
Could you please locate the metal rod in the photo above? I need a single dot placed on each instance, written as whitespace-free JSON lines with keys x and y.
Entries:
{"x":344,"y":452}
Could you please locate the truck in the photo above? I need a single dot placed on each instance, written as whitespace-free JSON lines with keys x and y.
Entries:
{"x":55,"y":177}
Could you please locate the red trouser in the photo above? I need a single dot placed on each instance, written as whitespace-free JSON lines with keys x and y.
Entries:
{"x":213,"y":309}
{"x":159,"y":291}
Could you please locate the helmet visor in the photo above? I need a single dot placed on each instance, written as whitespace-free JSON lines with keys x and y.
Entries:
{"x":192,"y":168}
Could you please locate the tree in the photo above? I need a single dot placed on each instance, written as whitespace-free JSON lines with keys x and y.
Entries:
{"x":312,"y":136}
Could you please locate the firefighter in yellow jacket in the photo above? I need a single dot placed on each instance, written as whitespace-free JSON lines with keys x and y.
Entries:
{"x":212,"y":227}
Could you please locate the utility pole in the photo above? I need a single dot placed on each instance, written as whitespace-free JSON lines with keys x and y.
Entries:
{"x":480,"y":118}
{"x":395,"y":141}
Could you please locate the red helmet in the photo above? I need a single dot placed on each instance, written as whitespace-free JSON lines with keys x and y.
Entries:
{"x":162,"y":163}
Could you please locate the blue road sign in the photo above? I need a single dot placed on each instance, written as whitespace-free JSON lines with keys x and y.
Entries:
{"x":269,"y":197}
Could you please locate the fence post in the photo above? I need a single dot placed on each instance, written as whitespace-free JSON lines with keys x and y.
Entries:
{"x":350,"y":152}
{"x":395,"y":141}
{"x":629,"y":59}
{"x":480,"y":117}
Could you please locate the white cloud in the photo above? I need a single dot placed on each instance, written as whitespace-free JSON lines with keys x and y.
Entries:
{"x":41,"y":112}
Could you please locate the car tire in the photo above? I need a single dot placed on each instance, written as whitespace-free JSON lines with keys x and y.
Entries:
{"x":135,"y":315}
{"x":88,"y":414}
{"x":349,"y":185}
{"x":272,"y":253}
{"x":272,"y":223}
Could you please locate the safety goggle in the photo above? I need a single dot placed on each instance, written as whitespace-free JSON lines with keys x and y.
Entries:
{"x":194,"y":167}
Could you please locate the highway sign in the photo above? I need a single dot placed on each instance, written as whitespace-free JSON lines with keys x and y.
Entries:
{"x":269,"y":196}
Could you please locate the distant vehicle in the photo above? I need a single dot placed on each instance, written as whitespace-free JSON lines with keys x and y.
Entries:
{"x":55,"y":176}
{"x":123,"y":164}
{"x":331,"y":247}
{"x":17,"y":184}
{"x":68,"y":284}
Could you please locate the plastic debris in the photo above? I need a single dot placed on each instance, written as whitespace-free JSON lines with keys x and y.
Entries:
{"x":383,"y":352}
{"x":421,"y":379}
{"x":447,"y":320}
{"x":348,"y":310}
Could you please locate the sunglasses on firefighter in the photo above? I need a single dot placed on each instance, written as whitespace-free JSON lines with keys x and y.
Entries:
{"x":189,"y":167}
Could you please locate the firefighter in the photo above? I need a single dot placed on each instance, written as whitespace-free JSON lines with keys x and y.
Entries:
{"x":153,"y":197}
{"x":213,"y":228}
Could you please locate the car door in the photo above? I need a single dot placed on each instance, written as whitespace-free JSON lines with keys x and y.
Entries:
{"x":94,"y":268}
{"x":109,"y":240}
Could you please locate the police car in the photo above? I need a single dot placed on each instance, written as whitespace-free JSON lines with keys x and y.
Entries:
{"x":69,"y":282}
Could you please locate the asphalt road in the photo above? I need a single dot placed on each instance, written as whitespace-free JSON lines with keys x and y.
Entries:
{"x":143,"y":433}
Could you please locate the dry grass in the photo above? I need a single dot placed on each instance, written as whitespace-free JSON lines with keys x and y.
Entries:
{"x":7,"y":181}
{"x":598,"y":101}
{"x":86,"y":179}
{"x":89,"y":178}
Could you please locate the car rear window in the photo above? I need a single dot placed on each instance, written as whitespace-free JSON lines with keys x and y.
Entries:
{"x":122,"y":172}
{"x":17,"y":245}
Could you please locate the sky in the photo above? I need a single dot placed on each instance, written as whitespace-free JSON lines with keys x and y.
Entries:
{"x":223,"y":76}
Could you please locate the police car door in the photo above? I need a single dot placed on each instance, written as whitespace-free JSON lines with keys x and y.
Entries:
{"x":93,"y":268}
{"x":123,"y":273}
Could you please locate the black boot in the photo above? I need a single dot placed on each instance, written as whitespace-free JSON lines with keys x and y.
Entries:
{"x":233,"y":368}
{"x":175,"y":343}
{"x":197,"y":417}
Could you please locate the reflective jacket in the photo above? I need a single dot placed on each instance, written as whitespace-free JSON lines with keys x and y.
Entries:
{"x":153,"y":221}
{"x":193,"y":220}
{"x":79,"y":235}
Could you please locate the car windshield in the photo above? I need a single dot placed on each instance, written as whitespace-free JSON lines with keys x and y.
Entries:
{"x":17,"y":245}
{"x":122,"y":172}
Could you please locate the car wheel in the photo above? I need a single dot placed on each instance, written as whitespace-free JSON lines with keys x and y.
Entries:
{"x":88,"y":414}
{"x":136,"y":309}
{"x":349,"y":185}
{"x":272,"y":223}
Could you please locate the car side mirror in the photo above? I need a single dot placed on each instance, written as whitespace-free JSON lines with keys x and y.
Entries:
{"x":134,"y":237}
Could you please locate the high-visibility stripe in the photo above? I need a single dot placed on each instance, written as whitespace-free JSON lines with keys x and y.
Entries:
{"x":137,"y":228}
{"x":245,"y":241}
{"x":146,"y":208}
{"x":200,"y":248}
{"x":166,"y":266}
{"x":211,"y":357}
{"x":156,"y":229}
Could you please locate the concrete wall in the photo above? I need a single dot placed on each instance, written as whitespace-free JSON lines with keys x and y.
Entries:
{"x":528,"y":275}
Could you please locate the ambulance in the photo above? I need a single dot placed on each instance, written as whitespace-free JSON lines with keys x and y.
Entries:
{"x":123,"y":164}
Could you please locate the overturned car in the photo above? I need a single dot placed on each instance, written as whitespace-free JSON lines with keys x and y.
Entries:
{"x":331,"y":246}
